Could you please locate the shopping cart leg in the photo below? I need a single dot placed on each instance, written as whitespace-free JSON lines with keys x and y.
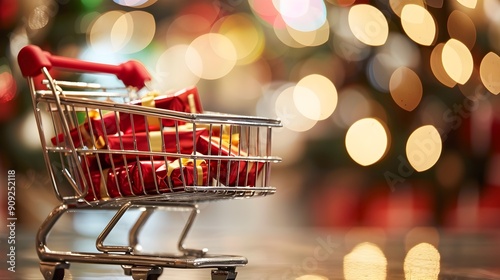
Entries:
{"x":143,"y":272}
{"x":134,"y":232}
{"x":226,"y":273}
{"x":53,"y":270}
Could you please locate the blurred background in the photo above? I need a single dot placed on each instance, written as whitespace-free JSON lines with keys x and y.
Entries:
{"x":390,"y":109}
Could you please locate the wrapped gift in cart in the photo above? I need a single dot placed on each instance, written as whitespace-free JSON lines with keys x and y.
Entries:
{"x":148,"y":153}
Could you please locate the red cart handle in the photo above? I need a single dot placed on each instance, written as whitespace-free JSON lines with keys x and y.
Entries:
{"x":32,"y":59}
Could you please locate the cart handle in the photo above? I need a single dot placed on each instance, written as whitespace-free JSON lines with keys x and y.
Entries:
{"x":32,"y":59}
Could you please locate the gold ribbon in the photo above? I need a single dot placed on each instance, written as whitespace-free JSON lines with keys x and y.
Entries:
{"x":155,"y":140}
{"x":235,"y":140}
{"x":155,"y":136}
{"x":103,"y":186}
{"x":184,"y":162}
{"x":225,"y":144}
{"x":98,"y":143}
{"x":148,"y":100}
{"x":192,"y":103}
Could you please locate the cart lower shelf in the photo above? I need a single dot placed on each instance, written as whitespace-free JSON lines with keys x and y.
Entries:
{"x":143,"y":267}
{"x":139,"y":265}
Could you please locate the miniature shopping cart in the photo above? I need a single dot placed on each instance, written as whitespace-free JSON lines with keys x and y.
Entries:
{"x":102,"y":153}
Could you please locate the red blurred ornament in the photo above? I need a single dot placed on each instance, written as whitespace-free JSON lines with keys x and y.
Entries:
{"x":8,"y":89}
{"x":8,"y":13}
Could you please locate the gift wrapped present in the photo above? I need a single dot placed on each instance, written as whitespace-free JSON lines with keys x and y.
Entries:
{"x":171,"y":140}
{"x":145,"y":178}
{"x":133,"y":179}
{"x":184,"y":172}
{"x":90,"y":132}
{"x":119,"y":149}
{"x":186,"y":100}
{"x":96,"y":126}
{"x":229,"y":172}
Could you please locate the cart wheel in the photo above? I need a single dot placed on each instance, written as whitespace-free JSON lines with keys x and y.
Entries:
{"x":153,"y":277}
{"x":224,"y":274}
{"x":53,"y":271}
{"x":143,"y":273}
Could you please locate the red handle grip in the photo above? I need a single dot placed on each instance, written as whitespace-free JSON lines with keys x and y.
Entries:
{"x":32,"y":59}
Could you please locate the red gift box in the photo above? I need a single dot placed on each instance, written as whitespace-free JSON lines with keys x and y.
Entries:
{"x":186,"y":100}
{"x":145,"y":178}
{"x":126,"y":145}
{"x":134,"y":179}
{"x":180,"y":141}
{"x":184,"y":172}
{"x":90,"y":132}
{"x":229,"y":172}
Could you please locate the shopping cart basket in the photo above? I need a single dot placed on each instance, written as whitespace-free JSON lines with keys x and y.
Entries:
{"x":105,"y":154}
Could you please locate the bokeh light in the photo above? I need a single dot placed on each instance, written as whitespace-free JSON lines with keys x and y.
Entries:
{"x":366,"y":141}
{"x":172,"y":71}
{"x":419,"y":235}
{"x":345,"y":44}
{"x":27,"y":126}
{"x":406,"y":88}
{"x":437,"y":66}
{"x":246,"y":36}
{"x":418,"y":24}
{"x":133,"y":31}
{"x":39,"y":17}
{"x":368,"y":24}
{"x":267,"y":12}
{"x":493,"y":33}
{"x":307,"y":102}
{"x":422,"y":262}
{"x":471,"y":4}
{"x":316,"y":88}
{"x":301,"y":15}
{"x":365,"y":261}
{"x":457,"y":61}
{"x":491,"y":9}
{"x":490,"y":76}
{"x":121,"y":32}
{"x":8,"y":86}
{"x":8,"y":92}
{"x":311,"y":277}
{"x":286,"y":38}
{"x":461,"y":27}
{"x":211,"y":56}
{"x":291,"y":116}
{"x":423,"y":147}
{"x":135,"y":3}
{"x":313,"y":38}
{"x":398,"y":5}
{"x":399,"y":51}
